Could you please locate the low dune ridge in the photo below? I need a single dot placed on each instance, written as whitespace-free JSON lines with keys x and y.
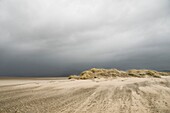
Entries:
{"x":111,"y":73}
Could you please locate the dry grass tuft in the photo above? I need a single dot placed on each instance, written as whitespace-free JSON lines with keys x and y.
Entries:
{"x":73,"y":77}
{"x":144,"y":73}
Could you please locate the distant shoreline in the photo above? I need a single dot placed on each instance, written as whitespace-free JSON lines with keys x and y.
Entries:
{"x":33,"y":78}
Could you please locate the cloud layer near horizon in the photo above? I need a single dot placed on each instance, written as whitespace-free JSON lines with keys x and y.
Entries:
{"x":42,"y":37}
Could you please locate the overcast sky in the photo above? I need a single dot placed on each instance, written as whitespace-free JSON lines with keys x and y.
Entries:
{"x":62,"y":37}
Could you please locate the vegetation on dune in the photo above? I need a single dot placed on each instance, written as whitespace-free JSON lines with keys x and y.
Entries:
{"x":112,"y":73}
{"x":73,"y":77}
{"x":144,"y":73}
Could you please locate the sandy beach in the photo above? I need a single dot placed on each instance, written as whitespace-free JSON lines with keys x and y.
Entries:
{"x":60,"y":95}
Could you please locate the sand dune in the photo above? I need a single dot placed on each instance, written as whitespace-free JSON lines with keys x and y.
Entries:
{"x":121,"y":95}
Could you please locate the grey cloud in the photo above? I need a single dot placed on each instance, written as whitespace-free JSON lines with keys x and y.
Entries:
{"x":41,"y":37}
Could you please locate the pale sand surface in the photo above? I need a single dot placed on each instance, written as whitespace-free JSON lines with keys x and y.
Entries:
{"x":53,"y":95}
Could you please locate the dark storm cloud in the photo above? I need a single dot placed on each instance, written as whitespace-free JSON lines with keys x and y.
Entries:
{"x":42,"y":37}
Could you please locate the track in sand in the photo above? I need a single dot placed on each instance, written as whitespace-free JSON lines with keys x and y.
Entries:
{"x":121,"y":95}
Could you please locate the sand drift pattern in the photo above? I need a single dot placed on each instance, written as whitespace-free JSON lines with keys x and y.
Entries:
{"x":121,"y":95}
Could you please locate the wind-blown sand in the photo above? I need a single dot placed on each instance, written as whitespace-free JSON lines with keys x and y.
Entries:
{"x":121,"y":95}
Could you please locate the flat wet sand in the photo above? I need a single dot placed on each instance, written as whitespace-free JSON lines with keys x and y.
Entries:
{"x":59,"y":95}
